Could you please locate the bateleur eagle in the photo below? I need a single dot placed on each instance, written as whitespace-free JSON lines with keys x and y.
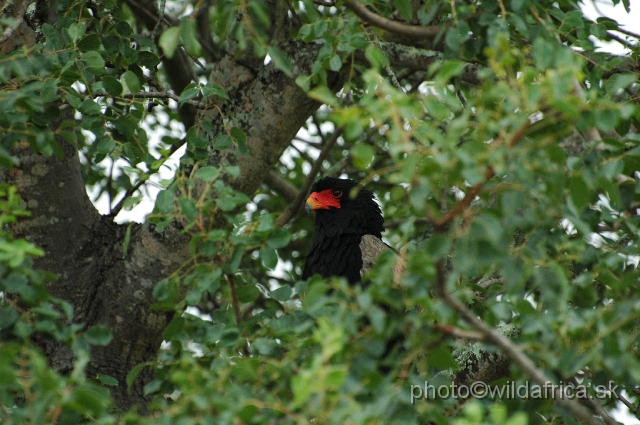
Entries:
{"x":348,"y":230}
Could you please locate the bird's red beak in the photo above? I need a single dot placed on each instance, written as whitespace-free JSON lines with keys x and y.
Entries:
{"x":322,"y":200}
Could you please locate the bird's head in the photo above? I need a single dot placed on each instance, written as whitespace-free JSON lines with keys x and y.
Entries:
{"x":332,"y":200}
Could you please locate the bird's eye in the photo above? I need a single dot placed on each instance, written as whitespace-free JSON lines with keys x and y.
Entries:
{"x":336,"y":193}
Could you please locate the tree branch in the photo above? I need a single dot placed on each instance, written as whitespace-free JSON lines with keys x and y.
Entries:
{"x":231,"y":278}
{"x":295,"y":206}
{"x":389,"y":25}
{"x":512,"y":351}
{"x":281,"y":186}
{"x":475,"y":190}
{"x":620,"y":40}
{"x":157,"y":95}
{"x":8,"y":32}
{"x":464,"y":203}
{"x":116,"y":209}
{"x":459,"y":333}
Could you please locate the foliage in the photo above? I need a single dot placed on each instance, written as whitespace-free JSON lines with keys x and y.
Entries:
{"x":30,"y":390}
{"x":499,"y":187}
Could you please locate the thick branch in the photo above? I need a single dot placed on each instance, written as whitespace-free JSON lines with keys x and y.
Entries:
{"x":281,"y":186}
{"x":389,"y":25}
{"x":512,"y":351}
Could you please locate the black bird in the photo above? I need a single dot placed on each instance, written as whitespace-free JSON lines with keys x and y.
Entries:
{"x":348,"y":230}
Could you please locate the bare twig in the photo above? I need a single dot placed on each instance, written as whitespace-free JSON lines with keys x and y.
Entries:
{"x":620,"y":40}
{"x":281,"y":186}
{"x":626,"y":402}
{"x":627,"y":32}
{"x":486,"y":284}
{"x":325,"y":3}
{"x":236,"y":310}
{"x":116,"y":209}
{"x":596,"y":406}
{"x":156,"y":28}
{"x":295,"y":206}
{"x":156,"y":95}
{"x":459,"y":333}
{"x":464,"y":203}
{"x":389,"y":25}
{"x":513,"y":352}
{"x":110,"y":184}
{"x":441,"y":223}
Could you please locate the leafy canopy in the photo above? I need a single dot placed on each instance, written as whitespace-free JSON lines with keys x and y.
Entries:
{"x":504,"y":151}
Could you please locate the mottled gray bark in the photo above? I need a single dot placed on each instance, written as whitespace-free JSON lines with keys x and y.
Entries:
{"x":110,"y":285}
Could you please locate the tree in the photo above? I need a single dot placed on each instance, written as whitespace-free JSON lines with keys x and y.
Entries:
{"x":503,"y":147}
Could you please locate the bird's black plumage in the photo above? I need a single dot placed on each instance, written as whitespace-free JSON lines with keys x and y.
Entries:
{"x":341,"y":223}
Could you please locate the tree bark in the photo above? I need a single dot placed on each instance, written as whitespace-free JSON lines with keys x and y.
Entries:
{"x":109,"y":282}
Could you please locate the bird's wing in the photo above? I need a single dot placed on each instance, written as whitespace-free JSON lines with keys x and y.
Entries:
{"x":370,"y":246}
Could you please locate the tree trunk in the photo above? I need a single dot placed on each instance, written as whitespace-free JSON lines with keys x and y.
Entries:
{"x":110,"y":282}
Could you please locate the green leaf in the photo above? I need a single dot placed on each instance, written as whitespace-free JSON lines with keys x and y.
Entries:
{"x":189,"y":92}
{"x":207,"y":174}
{"x":189,"y":36}
{"x":105,"y":146}
{"x":304,"y":82}
{"x":87,"y":399}
{"x":619,"y":82}
{"x":131,"y":82}
{"x":240,"y":140}
{"x":376,"y":57}
{"x":457,"y":35}
{"x":52,"y":36}
{"x":362,"y":156}
{"x":76,"y":31}
{"x":280,"y":60}
{"x":133,"y":374}
{"x":98,"y":335}
{"x":94,"y":62}
{"x":174,"y":328}
{"x":230,"y":337}
{"x":234,"y":172}
{"x":279,"y":238}
{"x":89,"y":107}
{"x":111,"y":85}
{"x":214,"y":89}
{"x":89,"y":42}
{"x":108,"y":380}
{"x":123,"y":28}
{"x":169,"y":41}
{"x":222,"y":141}
{"x":188,"y":208}
{"x":248,"y":293}
{"x":323,"y":95}
{"x":450,"y":69}
{"x":152,"y":387}
{"x":335,"y":63}
{"x":164,"y":201}
{"x":405,"y":9}
{"x":268,"y":257}
{"x":238,"y":135}
{"x":579,"y":193}
{"x":281,"y":294}
{"x":148,"y":59}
